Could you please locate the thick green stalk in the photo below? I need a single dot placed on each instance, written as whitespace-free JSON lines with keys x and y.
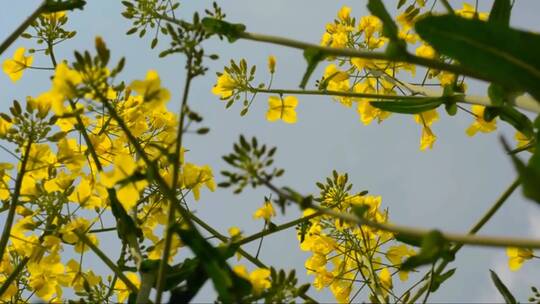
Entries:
{"x":22,"y":27}
{"x":14,"y":201}
{"x":106,"y":260}
{"x":476,"y":227}
{"x":171,"y":213}
{"x":413,"y":232}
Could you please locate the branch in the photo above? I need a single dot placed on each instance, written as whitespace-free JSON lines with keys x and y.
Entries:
{"x":22,"y":27}
{"x":106,"y":260}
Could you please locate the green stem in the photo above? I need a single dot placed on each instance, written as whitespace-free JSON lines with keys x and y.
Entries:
{"x":337,"y":93}
{"x":413,"y":232}
{"x":14,"y":201}
{"x":176,"y":170}
{"x":281,"y":227}
{"x":106,"y":260}
{"x":474,"y":229}
{"x":448,"y":6}
{"x":22,"y":27}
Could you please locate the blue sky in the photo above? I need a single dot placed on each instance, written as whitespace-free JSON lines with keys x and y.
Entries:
{"x":447,"y":188}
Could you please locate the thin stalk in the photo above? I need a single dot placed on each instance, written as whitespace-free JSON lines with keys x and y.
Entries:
{"x":474,"y":229}
{"x":106,"y":260}
{"x":14,"y":201}
{"x":22,"y":27}
{"x":281,"y":227}
{"x":413,"y":232}
{"x":176,"y":170}
{"x":338,"y":93}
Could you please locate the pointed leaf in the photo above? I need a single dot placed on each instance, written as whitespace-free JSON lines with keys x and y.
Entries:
{"x":500,"y":54}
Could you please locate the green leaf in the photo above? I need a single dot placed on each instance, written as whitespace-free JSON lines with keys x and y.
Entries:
{"x":396,"y":46}
{"x":232,"y":31}
{"x":434,"y":247}
{"x":55,"y":6}
{"x":529,"y":174}
{"x":439,"y":279}
{"x":229,"y":286}
{"x":313,"y":57}
{"x":496,"y":52}
{"x":192,"y":273}
{"x":408,"y":106}
{"x":413,"y":241}
{"x":503,"y":290}
{"x":500,"y":12}
{"x":517,"y":119}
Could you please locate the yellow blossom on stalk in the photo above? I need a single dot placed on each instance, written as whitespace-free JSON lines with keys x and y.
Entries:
{"x":258,"y":278}
{"x":272,"y":64}
{"x":385,"y":277}
{"x":282,"y":108}
{"x":122,"y":291}
{"x":157,"y":251}
{"x":446,"y":78}
{"x":53,"y":17}
{"x":234,"y":232}
{"x":4,"y":126}
{"x":469,"y":11}
{"x":426,"y":51}
{"x":397,"y":254}
{"x":344,"y":14}
{"x":45,"y":275}
{"x":426,"y":119}
{"x":315,"y":263}
{"x":69,"y":236}
{"x":370,"y":25}
{"x":265,"y":212}
{"x":77,"y":279}
{"x":225,"y":86}
{"x":523,"y":141}
{"x":151,"y":89}
{"x":341,"y":289}
{"x":518,"y":256}
{"x":129,"y":192}
{"x":480,"y":124}
{"x":14,"y":67}
{"x":65,"y":81}
{"x":84,"y":195}
{"x":338,"y":81}
{"x":194,"y":177}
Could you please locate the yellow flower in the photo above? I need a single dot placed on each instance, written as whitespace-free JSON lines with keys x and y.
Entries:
{"x":282,"y":108}
{"x":370,"y":25}
{"x":258,"y":277}
{"x":225,"y":86}
{"x":344,"y":13}
{"x":265,"y":212}
{"x":151,"y":89}
{"x":385,"y":277}
{"x":65,"y":81}
{"x":194,"y":177}
{"x":45,"y":275}
{"x":468,"y":11}
{"x":14,"y":67}
{"x":396,"y":255}
{"x":272,"y":64}
{"x":129,"y":192}
{"x":122,"y":291}
{"x":235,"y":232}
{"x":426,"y":51}
{"x":84,"y":195}
{"x":518,"y":256}
{"x":4,"y":126}
{"x":480,"y":124}
{"x":523,"y":141}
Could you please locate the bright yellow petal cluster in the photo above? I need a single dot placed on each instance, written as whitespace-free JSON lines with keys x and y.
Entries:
{"x":480,"y":125}
{"x":266,"y":212}
{"x":259,"y":278}
{"x":282,"y":108}
{"x":14,"y":67}
{"x":518,"y":256}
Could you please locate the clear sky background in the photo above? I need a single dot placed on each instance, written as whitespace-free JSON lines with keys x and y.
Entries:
{"x":446,"y":188}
